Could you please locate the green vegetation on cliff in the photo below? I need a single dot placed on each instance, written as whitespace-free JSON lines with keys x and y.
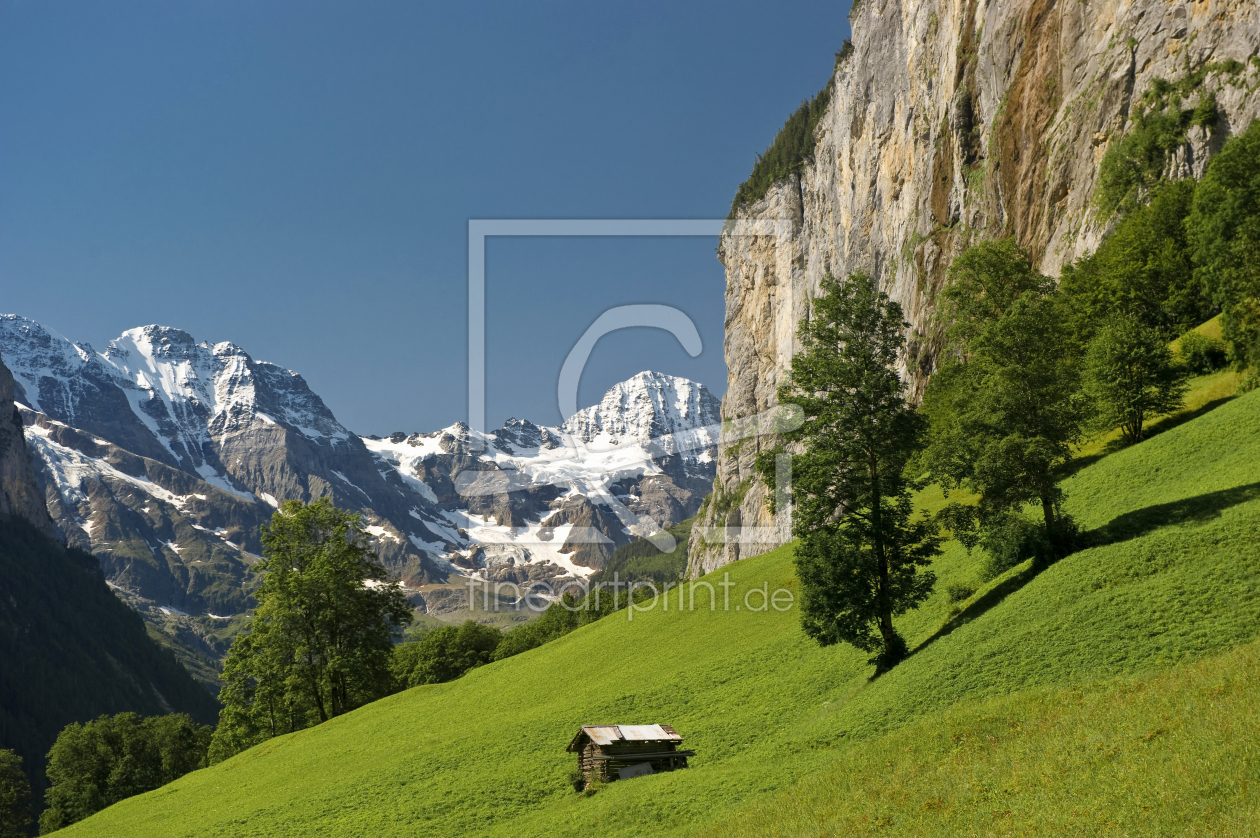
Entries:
{"x":791,"y":147}
{"x":643,"y":560}
{"x":1136,"y":162}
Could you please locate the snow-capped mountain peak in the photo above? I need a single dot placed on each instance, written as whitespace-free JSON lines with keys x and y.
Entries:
{"x":650,"y":406}
{"x":133,"y":443}
{"x":43,"y":362}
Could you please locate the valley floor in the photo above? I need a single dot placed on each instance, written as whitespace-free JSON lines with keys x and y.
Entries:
{"x":1112,"y":693}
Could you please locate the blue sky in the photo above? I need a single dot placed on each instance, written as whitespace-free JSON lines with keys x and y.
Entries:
{"x":297,"y":177}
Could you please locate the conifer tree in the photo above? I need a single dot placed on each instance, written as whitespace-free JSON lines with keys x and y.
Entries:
{"x":861,"y":559}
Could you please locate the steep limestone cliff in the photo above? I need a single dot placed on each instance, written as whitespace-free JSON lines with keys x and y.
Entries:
{"x":951,"y":122}
{"x":19,"y":493}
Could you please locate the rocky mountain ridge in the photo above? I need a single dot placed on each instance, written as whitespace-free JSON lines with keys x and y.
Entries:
{"x":636,"y":463}
{"x":949,"y":122}
{"x":163,"y":457}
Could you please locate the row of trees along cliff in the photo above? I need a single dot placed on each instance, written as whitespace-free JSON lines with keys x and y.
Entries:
{"x":1030,"y":367}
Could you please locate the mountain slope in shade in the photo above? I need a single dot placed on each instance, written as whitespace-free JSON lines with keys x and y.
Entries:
{"x":69,"y":649}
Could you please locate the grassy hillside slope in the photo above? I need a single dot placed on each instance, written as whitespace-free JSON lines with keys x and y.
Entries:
{"x":1174,"y":577}
{"x":1176,"y":753}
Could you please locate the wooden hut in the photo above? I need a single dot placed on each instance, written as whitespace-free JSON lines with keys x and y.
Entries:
{"x":618,"y":752}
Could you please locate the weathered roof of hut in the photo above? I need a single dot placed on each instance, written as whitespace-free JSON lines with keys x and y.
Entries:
{"x":611,"y":734}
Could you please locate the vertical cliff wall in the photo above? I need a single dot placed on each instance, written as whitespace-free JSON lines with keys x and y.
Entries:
{"x":19,"y":493}
{"x":951,"y":122}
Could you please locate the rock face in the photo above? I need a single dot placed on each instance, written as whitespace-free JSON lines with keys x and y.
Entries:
{"x":19,"y":492}
{"x":951,"y":122}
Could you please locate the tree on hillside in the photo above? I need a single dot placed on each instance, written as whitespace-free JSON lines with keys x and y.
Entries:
{"x":15,"y":796}
{"x":1142,"y":270}
{"x":444,"y":654}
{"x":97,"y":764}
{"x":1005,"y":408}
{"x":321,"y":639}
{"x":1131,"y":375}
{"x":1224,"y":228}
{"x":984,"y":282}
{"x":861,"y":557}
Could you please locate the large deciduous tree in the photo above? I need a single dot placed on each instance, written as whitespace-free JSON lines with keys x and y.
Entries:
{"x":1006,"y":408}
{"x":1131,"y":375}
{"x":861,"y":559}
{"x":321,"y":638}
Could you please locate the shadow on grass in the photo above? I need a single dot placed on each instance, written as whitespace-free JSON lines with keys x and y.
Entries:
{"x":1170,"y":422}
{"x":1152,"y":430}
{"x":987,"y":600}
{"x":1195,"y":510}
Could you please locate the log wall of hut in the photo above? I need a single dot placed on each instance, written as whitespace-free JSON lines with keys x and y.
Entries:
{"x":602,"y":762}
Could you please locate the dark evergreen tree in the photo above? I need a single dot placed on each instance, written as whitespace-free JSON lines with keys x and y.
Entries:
{"x":791,"y":147}
{"x":861,"y":558}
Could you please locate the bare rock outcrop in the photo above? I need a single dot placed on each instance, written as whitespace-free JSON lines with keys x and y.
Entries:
{"x":19,"y":492}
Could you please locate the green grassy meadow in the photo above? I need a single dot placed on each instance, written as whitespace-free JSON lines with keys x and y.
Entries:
{"x":1111,"y":693}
